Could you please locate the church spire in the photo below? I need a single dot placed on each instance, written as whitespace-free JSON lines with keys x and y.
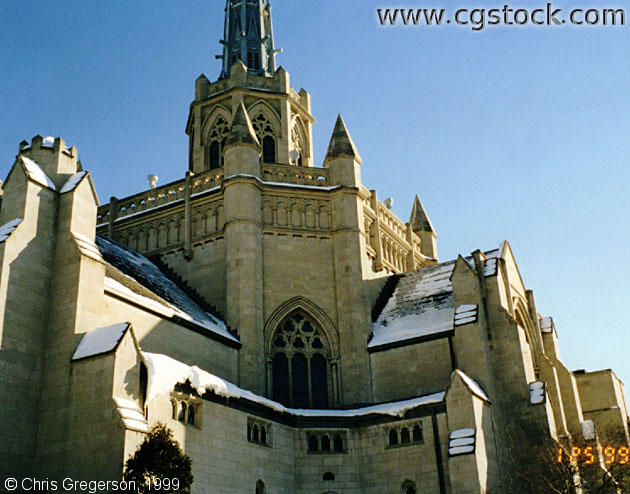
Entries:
{"x":248,"y":37}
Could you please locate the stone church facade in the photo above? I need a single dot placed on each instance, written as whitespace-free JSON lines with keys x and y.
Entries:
{"x":294,"y":333}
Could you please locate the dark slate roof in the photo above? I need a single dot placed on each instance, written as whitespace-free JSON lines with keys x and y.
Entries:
{"x":421,"y":305}
{"x":136,"y":266}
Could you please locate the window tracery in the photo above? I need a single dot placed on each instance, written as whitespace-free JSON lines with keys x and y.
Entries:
{"x":300,"y":363}
{"x":216,"y":143}
{"x":266,"y":136}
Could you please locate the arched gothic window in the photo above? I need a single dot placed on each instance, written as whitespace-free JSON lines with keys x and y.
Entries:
{"x":300,"y":366}
{"x":266,"y":137}
{"x":216,"y":143}
{"x":260,"y":487}
{"x":298,"y":143}
{"x":408,"y":487}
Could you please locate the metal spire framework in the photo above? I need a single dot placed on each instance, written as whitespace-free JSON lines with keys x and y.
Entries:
{"x":248,"y":37}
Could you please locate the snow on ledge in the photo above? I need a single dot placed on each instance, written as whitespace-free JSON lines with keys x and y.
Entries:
{"x":165,"y":372}
{"x":36,"y":173}
{"x":99,"y":341}
{"x":588,"y":430}
{"x":72,"y":182}
{"x":473,"y":386}
{"x":8,"y":228}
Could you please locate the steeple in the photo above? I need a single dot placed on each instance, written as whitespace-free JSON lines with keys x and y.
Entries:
{"x":248,"y":37}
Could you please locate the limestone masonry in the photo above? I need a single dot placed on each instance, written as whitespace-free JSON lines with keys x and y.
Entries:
{"x":295,"y":335}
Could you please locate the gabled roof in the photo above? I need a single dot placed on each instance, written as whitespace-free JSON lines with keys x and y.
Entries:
{"x":136,"y":271}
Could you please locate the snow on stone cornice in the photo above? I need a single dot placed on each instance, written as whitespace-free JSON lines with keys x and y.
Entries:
{"x":73,"y":181}
{"x":165,"y":372}
{"x":36,"y":173}
{"x":87,"y":246}
{"x":8,"y":228}
{"x":137,"y":267}
{"x":99,"y":341}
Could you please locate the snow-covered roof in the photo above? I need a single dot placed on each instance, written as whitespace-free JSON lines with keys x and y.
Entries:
{"x":8,"y":228}
{"x":422,"y":304}
{"x":36,"y":173}
{"x":168,"y":294}
{"x":165,"y":372}
{"x":101,"y":340}
{"x":73,"y":181}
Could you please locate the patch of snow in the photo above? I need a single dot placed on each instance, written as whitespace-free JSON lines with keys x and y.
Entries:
{"x":87,"y":246}
{"x":130,"y":413}
{"x":165,"y":372}
{"x":136,"y":425}
{"x":101,"y":340}
{"x":466,"y":308}
{"x":461,"y":441}
{"x":8,"y":228}
{"x":490,"y":267}
{"x":73,"y":181}
{"x":283,"y":184}
{"x":461,"y":450}
{"x":459,"y":433}
{"x":36,"y":173}
{"x":464,"y":441}
{"x":537,"y":392}
{"x":49,"y":141}
{"x":125,"y":403}
{"x":462,"y":322}
{"x":473,"y":386}
{"x":546,"y":324}
{"x":588,"y":430}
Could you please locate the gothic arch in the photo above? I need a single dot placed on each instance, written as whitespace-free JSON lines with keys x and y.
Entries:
{"x":521,"y":315}
{"x":302,"y":349}
{"x":218,"y":111}
{"x":265,"y":108}
{"x":298,"y":133}
{"x":310,"y":308}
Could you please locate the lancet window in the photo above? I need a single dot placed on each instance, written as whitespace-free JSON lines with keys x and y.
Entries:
{"x":216,"y":143}
{"x":266,"y":137}
{"x":298,"y":143}
{"x":300,"y":367}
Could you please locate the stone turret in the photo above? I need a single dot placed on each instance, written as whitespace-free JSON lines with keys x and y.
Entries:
{"x":243,"y":248}
{"x":342,"y":157}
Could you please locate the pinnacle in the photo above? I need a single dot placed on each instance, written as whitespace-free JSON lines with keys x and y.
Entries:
{"x":341,"y":143}
{"x":241,"y":131}
{"x":419,"y":219}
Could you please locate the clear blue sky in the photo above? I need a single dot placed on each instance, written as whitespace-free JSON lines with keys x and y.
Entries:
{"x":512,"y":133}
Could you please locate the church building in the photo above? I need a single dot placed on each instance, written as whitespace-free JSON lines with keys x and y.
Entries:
{"x":293,"y":333}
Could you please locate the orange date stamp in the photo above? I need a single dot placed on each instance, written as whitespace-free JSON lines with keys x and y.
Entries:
{"x":588,"y":455}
